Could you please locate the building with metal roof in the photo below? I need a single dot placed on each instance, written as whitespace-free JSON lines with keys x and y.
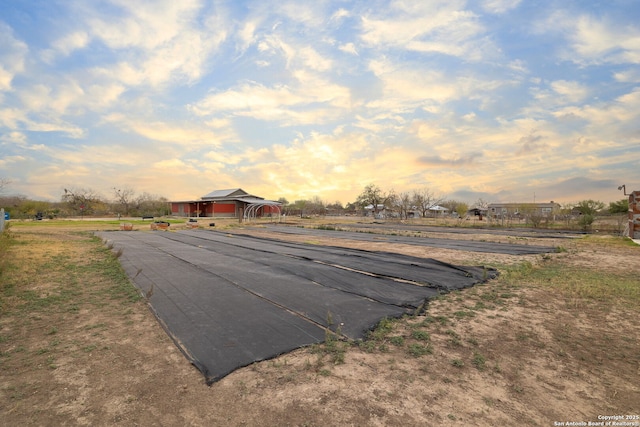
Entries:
{"x":231,"y":203}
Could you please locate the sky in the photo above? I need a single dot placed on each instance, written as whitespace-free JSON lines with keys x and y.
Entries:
{"x":504,"y":100}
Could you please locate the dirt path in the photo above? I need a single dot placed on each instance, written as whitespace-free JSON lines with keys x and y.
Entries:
{"x":531,"y":348}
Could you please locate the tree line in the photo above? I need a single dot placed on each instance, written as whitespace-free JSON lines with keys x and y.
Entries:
{"x":422,"y":202}
{"x":373,"y":200}
{"x":85,"y":201}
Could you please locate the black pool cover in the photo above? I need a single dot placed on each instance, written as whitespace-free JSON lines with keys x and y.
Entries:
{"x":228,"y":300}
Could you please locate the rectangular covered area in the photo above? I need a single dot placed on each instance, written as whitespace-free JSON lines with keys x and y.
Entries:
{"x":232,"y":203}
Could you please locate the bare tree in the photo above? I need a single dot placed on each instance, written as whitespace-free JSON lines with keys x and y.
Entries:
{"x":566,"y":210}
{"x":481,"y":203}
{"x":4,"y":182}
{"x":403,"y":202}
{"x":81,"y":200}
{"x":424,"y":199}
{"x":125,"y":199}
{"x":374,"y":196}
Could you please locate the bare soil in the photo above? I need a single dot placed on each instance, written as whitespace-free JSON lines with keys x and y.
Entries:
{"x":514,"y":351}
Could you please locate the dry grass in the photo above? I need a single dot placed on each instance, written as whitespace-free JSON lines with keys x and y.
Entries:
{"x":552,"y":339}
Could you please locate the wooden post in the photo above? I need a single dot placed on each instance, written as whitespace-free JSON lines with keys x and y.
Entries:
{"x":634,"y":215}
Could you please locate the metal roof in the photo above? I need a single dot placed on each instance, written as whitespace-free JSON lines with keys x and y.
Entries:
{"x":233,"y":192}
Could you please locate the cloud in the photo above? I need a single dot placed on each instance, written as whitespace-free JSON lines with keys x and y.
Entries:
{"x":66,"y":45}
{"x":572,"y":91}
{"x":436,"y":27}
{"x":14,"y":138}
{"x":10,"y":117}
{"x":628,"y":76}
{"x":340,"y":14}
{"x":15,"y":119}
{"x":581,"y":185}
{"x":5,"y":161}
{"x":407,"y":88}
{"x":158,"y":42}
{"x":314,"y":61}
{"x":621,"y":113}
{"x":187,"y":136}
{"x":65,"y":96}
{"x":348,"y":48}
{"x":285,"y":104}
{"x":13,"y":53}
{"x":500,"y":6}
{"x":147,"y":25}
{"x":170,"y":164}
{"x":249,"y":155}
{"x":465,"y":160}
{"x":247,"y":34}
{"x":320,"y":99}
{"x":530,"y":144}
{"x":310,"y":14}
{"x":596,"y":39}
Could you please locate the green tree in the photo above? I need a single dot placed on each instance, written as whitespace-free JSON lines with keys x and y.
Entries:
{"x":620,"y":211}
{"x":621,"y":206}
{"x":531,"y":214}
{"x":298,"y":207}
{"x":588,"y":210}
{"x":461,"y":209}
{"x":150,"y":205}
{"x":456,"y":206}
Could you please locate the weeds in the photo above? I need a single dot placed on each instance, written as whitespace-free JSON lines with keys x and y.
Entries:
{"x":421,"y":335}
{"x":397,"y":341}
{"x":332,"y":347}
{"x":417,"y":349}
{"x":590,"y":284}
{"x":479,"y":361}
{"x":454,"y":338}
{"x":458,"y":363}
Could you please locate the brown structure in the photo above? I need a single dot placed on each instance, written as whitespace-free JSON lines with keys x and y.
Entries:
{"x":233,"y":203}
{"x":634,"y":215}
{"x":516,"y":210}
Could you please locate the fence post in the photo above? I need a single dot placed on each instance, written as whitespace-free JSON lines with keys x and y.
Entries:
{"x":1,"y":220}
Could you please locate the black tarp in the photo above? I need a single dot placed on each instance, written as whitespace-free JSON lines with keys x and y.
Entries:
{"x":455,"y":244}
{"x":228,"y":301}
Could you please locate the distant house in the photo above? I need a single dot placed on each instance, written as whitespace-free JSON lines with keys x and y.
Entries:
{"x":380,"y":212}
{"x":233,"y":203}
{"x":480,"y":212}
{"x":437,"y":210}
{"x":516,"y":210}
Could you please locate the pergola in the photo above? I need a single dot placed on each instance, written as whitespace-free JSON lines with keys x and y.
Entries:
{"x":254,"y":207}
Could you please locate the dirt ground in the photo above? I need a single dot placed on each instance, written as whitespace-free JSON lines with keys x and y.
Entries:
{"x":514,"y":351}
